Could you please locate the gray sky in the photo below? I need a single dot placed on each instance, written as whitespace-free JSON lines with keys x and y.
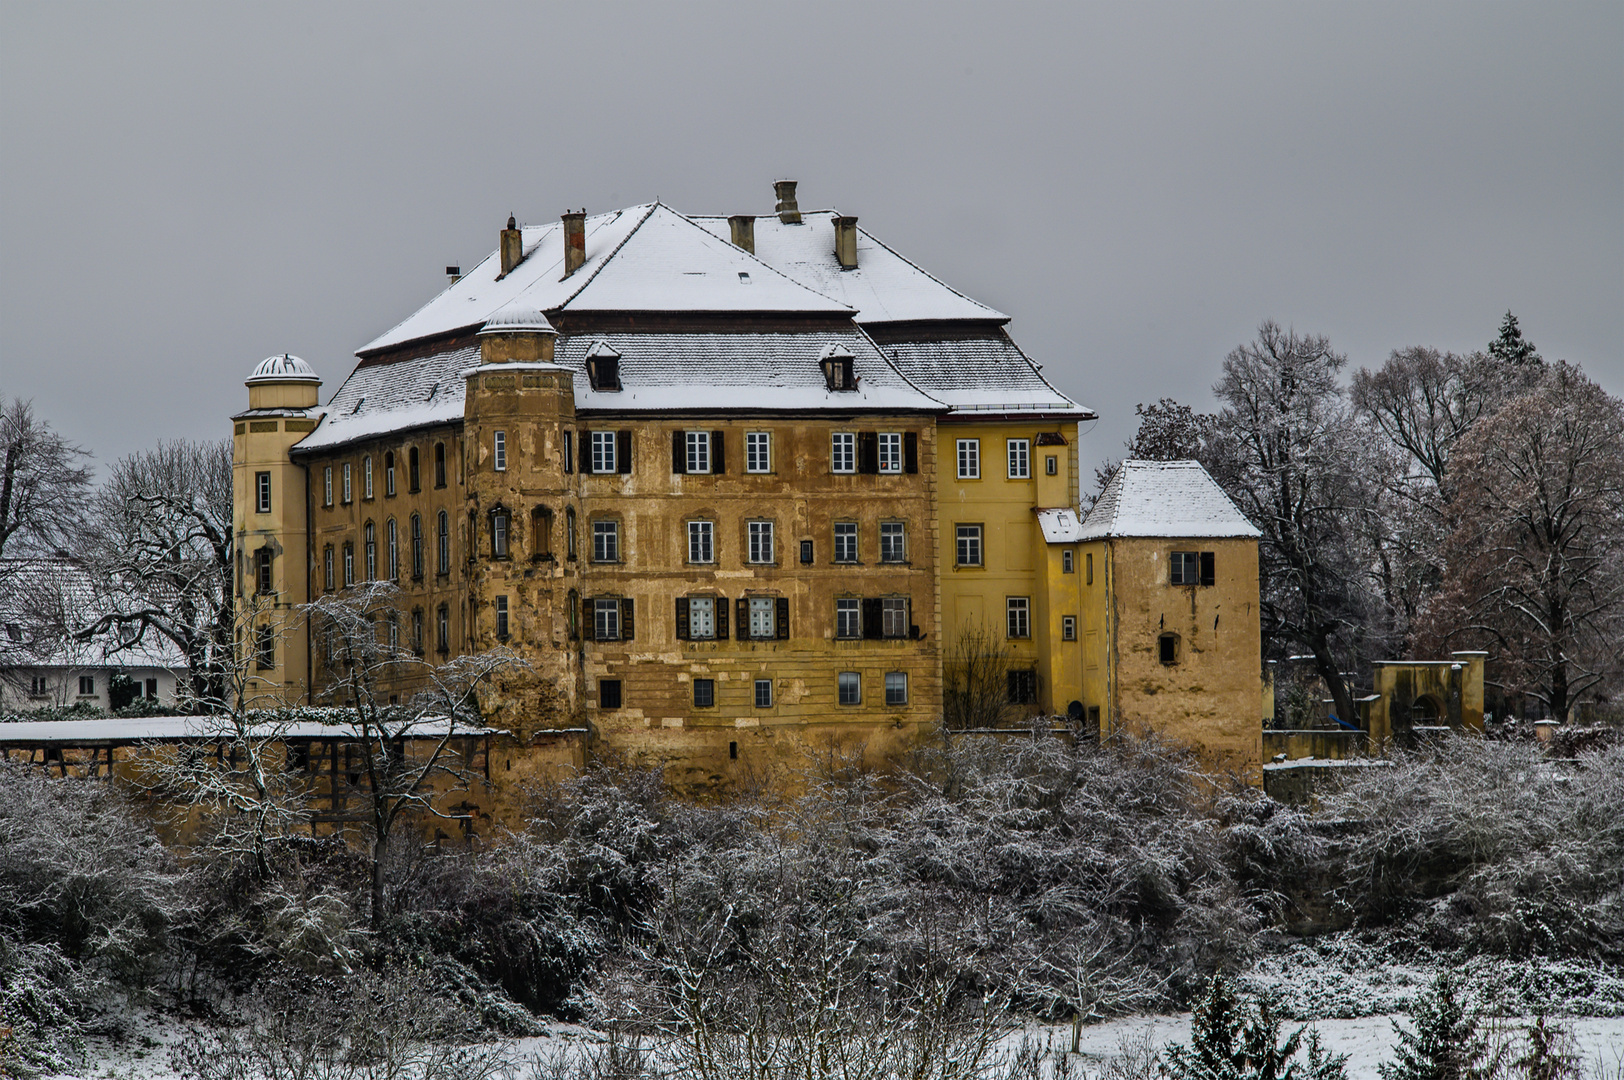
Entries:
{"x":186,"y":189}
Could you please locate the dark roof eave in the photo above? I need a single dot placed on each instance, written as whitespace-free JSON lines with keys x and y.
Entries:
{"x":751,"y":413}
{"x":298,"y":450}
{"x":980,"y":416}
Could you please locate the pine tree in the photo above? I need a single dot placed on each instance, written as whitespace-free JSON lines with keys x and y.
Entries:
{"x":1511,"y":347}
{"x":1215,"y":1051}
{"x":1445,"y":1045}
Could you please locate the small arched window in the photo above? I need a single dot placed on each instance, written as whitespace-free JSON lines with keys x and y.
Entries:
{"x":439,"y":464}
{"x":389,"y":473}
{"x":413,"y":476}
{"x":371,"y":552}
{"x":443,"y":545}
{"x":417,"y":547}
{"x":541,"y":533}
{"x":393,"y":541}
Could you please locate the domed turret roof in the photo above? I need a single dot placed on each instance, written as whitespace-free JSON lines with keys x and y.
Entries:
{"x":284,"y":368}
{"x":517,"y":317}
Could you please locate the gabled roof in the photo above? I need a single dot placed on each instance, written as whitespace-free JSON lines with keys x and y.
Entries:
{"x":1164,"y":499}
{"x":383,"y":399}
{"x":644,"y":258}
{"x":44,"y":602}
{"x":884,"y":287}
{"x":983,"y":372}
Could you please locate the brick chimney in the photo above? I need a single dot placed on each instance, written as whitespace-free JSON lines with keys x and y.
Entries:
{"x":574,"y":241}
{"x":846,"y":242}
{"x":788,"y":211}
{"x":744,"y":231}
{"x":512,"y":246}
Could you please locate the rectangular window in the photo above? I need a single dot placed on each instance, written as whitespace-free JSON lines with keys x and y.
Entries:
{"x":349,"y":564}
{"x":502,"y":617}
{"x":499,"y":535}
{"x":1088,"y":568}
{"x":893,"y":542}
{"x":896,"y":688}
{"x":1020,"y":459}
{"x":704,"y":693}
{"x":701,"y":618}
{"x":701,"y":541}
{"x":806,"y":551}
{"x":569,"y":451}
{"x":894,"y":616}
{"x":845,"y":541}
{"x":1185,"y":568}
{"x":347,"y":485}
{"x":606,"y":620}
{"x":87,"y":683}
{"x":1209,"y":570}
{"x":37,"y":686}
{"x":499,"y":451}
{"x":764,"y":693}
{"x":698,"y":451}
{"x":608,"y":693}
{"x":262,"y":492}
{"x":758,"y":452}
{"x":1019,"y":611}
{"x":843,"y":452}
{"x":969,"y":459}
{"x":969,"y":545}
{"x":1068,"y":561}
{"x":265,"y":648}
{"x":851,"y":688}
{"x":890,"y":452}
{"x":763,"y":621}
{"x":417,"y":631}
{"x":1068,"y":628}
{"x":327,"y":486}
{"x":603,"y":451}
{"x":848,"y":618}
{"x":327,"y":565}
{"x":606,"y":541}
{"x":389,"y":473}
{"x":1051,"y":465}
{"x":442,"y":628}
{"x":366,"y":477}
{"x":761,"y":541}
{"x":1023,"y":687}
{"x":262,"y":571}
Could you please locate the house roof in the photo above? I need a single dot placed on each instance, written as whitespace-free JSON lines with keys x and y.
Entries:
{"x":1164,"y":499}
{"x":381,"y":399}
{"x":982,"y":372}
{"x":1060,"y":525}
{"x":129,"y":730}
{"x":44,"y":602}
{"x":883,"y":287}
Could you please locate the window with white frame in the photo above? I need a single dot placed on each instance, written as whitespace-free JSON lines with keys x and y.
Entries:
{"x":389,"y":473}
{"x":502,"y":617}
{"x":761,"y":541}
{"x":848,"y":618}
{"x":969,"y":545}
{"x":843,"y":452}
{"x":348,"y":488}
{"x":349,"y":564}
{"x":1068,"y":561}
{"x":606,"y":620}
{"x":87,"y":683}
{"x":764,"y":693}
{"x":442,"y":544}
{"x":896,"y":688}
{"x":327,"y":565}
{"x":701,"y":618}
{"x":701,"y":541}
{"x":1019,"y":615}
{"x":851,"y":688}
{"x":698,"y":451}
{"x":417,"y":547}
{"x":372,"y":551}
{"x":763,"y":617}
{"x":603,"y":452}
{"x":890,"y":451}
{"x":758,"y":456}
{"x":262,"y":492}
{"x":894,"y":619}
{"x":606,"y":541}
{"x":1020,"y":459}
{"x":893,"y":542}
{"x":500,"y":521}
{"x":845,"y":541}
{"x":1068,"y":628}
{"x":392,"y":547}
{"x":499,"y":451}
{"x":327,"y":486}
{"x":969,"y":459}
{"x":442,"y":628}
{"x":366,"y":477}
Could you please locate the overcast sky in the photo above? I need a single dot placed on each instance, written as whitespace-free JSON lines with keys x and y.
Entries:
{"x":186,"y":189}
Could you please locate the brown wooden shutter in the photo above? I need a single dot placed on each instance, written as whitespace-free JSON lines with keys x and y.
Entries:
{"x":589,"y":625}
{"x":628,"y":626}
{"x":623,"y":451}
{"x":868,"y":452}
{"x":718,"y":454}
{"x":742,"y":610}
{"x":910,"y":451}
{"x":679,"y":451}
{"x":586,"y":451}
{"x":1208,"y":568}
{"x":721,"y":618}
{"x":781,"y":623}
{"x":682,"y":618}
{"x":873,"y":618}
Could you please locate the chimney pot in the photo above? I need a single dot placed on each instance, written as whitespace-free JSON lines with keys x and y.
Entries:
{"x":789,"y":212}
{"x":846,"y":242}
{"x":512,"y":247}
{"x":574,"y":240}
{"x":744,"y":231}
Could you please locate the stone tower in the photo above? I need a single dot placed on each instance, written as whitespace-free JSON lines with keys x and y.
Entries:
{"x":270,"y":510}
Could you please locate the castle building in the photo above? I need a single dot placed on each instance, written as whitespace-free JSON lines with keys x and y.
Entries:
{"x":734,"y":487}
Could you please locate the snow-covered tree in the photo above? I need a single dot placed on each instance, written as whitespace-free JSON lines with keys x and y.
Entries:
{"x":44,"y":483}
{"x":1169,"y":431}
{"x":1445,"y":1044}
{"x":1510,"y":346}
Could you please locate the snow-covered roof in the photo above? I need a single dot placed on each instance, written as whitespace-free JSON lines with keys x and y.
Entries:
{"x":1164,"y":498}
{"x":1060,"y":526}
{"x":644,"y":258}
{"x":384,"y":399}
{"x":981,"y":372}
{"x":45,"y":602}
{"x":517,"y":315}
{"x":184,"y":728}
{"x":284,"y":368}
{"x":883,"y":287}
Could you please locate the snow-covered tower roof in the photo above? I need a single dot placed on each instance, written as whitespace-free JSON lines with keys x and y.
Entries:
{"x":284,"y":368}
{"x":1164,"y":499}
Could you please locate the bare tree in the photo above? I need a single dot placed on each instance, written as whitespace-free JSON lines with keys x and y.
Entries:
{"x":1536,"y":540}
{"x":364,"y":662}
{"x":1302,"y":473}
{"x":1169,"y":431}
{"x":44,"y":484}
{"x":975,"y":677}
{"x":164,"y":543}
{"x":43,"y":605}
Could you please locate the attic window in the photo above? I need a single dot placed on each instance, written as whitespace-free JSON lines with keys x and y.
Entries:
{"x":603,"y":368}
{"x":360,"y":401}
{"x":837,"y":369}
{"x":744,"y":277}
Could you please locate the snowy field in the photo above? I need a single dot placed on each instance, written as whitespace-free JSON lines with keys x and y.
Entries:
{"x":1366,"y":1040}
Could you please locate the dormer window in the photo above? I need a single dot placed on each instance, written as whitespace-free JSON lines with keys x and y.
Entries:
{"x":837,"y":363}
{"x":603,"y":368}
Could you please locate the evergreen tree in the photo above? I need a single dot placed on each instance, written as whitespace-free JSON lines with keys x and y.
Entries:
{"x":1232,"y":1039}
{"x":1445,"y":1045}
{"x":1511,"y":347}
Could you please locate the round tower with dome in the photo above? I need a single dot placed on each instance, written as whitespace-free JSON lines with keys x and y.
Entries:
{"x":270,"y":575}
